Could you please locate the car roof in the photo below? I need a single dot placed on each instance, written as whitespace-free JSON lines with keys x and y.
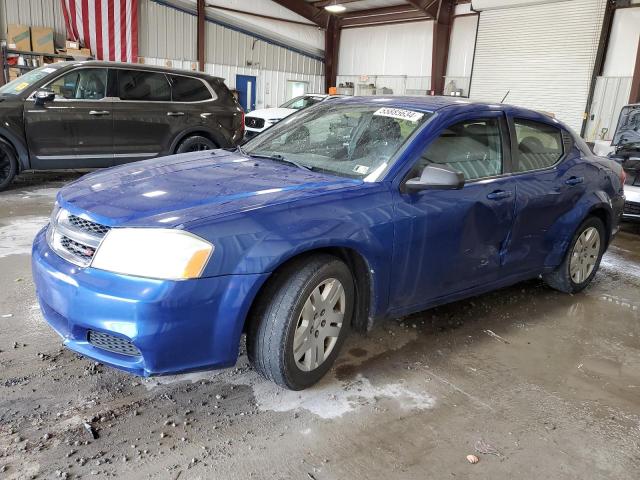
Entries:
{"x":134,"y":66}
{"x":439,"y":103}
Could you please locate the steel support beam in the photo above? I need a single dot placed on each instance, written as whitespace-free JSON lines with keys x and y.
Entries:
{"x":331,"y":49}
{"x":383,"y":16}
{"x":201,"y":34}
{"x":316,"y":15}
{"x":634,"y":97}
{"x":440,"y":52}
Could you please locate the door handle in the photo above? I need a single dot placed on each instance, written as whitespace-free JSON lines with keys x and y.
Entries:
{"x":574,"y":181}
{"x":99,"y":112}
{"x":498,"y":195}
{"x":175,"y":114}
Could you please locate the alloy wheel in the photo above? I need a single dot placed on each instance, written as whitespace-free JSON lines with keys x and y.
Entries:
{"x":197,"y":147}
{"x":319,"y":324}
{"x":5,"y":165}
{"x":585,"y":255}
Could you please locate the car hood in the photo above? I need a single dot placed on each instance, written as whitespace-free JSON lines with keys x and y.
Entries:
{"x":271,"y":113}
{"x":173,"y":191}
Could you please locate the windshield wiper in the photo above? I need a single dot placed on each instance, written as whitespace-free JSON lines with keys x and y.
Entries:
{"x":279,"y":158}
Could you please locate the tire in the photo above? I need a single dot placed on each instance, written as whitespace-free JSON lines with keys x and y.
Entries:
{"x":284,"y":316}
{"x":195,"y":143}
{"x":573,"y":277}
{"x":8,"y":166}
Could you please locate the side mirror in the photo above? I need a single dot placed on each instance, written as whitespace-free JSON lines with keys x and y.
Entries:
{"x":44,"y":96}
{"x":436,"y":177}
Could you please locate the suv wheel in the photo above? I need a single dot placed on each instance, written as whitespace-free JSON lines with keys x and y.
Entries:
{"x":301,"y":320}
{"x":195,"y":144}
{"x":8,"y":166}
{"x":582,"y":258}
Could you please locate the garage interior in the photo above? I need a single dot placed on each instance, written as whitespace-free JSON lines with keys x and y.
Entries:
{"x":532,"y":382}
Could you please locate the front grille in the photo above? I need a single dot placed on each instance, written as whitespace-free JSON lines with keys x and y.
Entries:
{"x":88,"y":225}
{"x":631,"y":208}
{"x":74,"y":238}
{"x":111,"y":343}
{"x":253,"y":122}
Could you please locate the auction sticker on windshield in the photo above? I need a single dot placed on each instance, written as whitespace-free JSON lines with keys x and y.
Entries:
{"x":399,"y":113}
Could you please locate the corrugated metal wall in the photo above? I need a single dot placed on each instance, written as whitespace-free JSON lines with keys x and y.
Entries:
{"x":38,"y":13}
{"x":168,"y":37}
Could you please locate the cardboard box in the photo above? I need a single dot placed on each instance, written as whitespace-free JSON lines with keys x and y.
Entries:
{"x":19,"y":36}
{"x":42,"y":40}
{"x":78,"y":52}
{"x":13,"y":73}
{"x":74,"y":44}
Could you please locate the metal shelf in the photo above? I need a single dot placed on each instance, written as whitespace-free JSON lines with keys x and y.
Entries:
{"x":4,"y":52}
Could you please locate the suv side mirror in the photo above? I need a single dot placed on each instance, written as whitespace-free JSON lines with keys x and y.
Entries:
{"x":436,"y":177}
{"x":44,"y":96}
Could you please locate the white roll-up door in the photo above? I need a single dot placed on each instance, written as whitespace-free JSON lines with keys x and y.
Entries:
{"x":543,"y":55}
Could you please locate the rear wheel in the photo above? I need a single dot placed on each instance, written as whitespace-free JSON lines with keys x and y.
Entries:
{"x":301,"y":320}
{"x":195,"y":143}
{"x":582,"y":259}
{"x":8,"y":166}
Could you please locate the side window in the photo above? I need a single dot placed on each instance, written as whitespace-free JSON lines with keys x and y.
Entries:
{"x":473,"y":147}
{"x":143,"y":86}
{"x":188,"y":89}
{"x":539,"y":145}
{"x":81,"y":84}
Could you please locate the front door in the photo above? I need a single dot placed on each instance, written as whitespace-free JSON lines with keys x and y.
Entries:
{"x":246,"y":86}
{"x":450,"y":241}
{"x":75,"y":130}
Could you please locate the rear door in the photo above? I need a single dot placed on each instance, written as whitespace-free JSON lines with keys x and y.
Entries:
{"x":75,"y":130}
{"x":550,"y":177}
{"x":145,"y":119}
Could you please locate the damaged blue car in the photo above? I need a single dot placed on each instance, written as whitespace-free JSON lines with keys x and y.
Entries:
{"x":345,"y":213}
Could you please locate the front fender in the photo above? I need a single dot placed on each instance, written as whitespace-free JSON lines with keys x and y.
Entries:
{"x":10,"y":139}
{"x":259,"y":241}
{"x":564,"y":228}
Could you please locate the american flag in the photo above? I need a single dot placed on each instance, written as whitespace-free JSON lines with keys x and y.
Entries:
{"x":109,"y":28}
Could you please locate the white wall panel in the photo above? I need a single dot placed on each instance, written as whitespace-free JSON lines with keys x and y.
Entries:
{"x":543,"y":55}
{"x":403,"y":49}
{"x":623,"y":43}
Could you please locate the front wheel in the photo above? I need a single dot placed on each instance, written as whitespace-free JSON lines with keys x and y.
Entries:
{"x":582,"y":259}
{"x":301,"y":320}
{"x":8,"y":166}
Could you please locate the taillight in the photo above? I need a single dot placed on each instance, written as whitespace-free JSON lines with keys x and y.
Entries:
{"x":242,"y":122}
{"x":623,"y":177}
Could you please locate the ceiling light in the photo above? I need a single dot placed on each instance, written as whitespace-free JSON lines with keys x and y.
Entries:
{"x":335,"y":8}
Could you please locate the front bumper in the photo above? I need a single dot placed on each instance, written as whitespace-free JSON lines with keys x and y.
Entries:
{"x":250,"y":133}
{"x":176,"y":326}
{"x":632,"y":203}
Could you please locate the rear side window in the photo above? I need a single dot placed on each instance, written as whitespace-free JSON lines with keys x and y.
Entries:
{"x":188,"y":89}
{"x":223,"y":94}
{"x":143,"y":86}
{"x":539,"y":145}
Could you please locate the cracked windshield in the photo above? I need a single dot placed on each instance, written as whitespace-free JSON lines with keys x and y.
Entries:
{"x":345,"y":140}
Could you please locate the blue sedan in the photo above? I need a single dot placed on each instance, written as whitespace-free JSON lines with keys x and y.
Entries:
{"x":343,"y":214}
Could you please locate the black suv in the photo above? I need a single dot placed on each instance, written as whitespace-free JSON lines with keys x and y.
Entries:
{"x":99,"y":114}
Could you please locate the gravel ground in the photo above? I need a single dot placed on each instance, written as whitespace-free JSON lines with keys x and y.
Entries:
{"x":534,"y":383}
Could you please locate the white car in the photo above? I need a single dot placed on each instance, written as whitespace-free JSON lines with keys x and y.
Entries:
{"x":259,"y":120}
{"x":627,"y":143}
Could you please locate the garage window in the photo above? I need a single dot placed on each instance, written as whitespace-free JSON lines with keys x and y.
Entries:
{"x":143,"y":86}
{"x":472,"y":147}
{"x":539,"y":145}
{"x":188,"y":89}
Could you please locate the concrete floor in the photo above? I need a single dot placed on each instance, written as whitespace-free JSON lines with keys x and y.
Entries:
{"x":537,"y":384}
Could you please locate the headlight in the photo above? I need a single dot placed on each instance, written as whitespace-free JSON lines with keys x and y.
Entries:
{"x":154,"y":253}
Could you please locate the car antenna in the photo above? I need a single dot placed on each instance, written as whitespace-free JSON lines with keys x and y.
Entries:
{"x":505,"y":96}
